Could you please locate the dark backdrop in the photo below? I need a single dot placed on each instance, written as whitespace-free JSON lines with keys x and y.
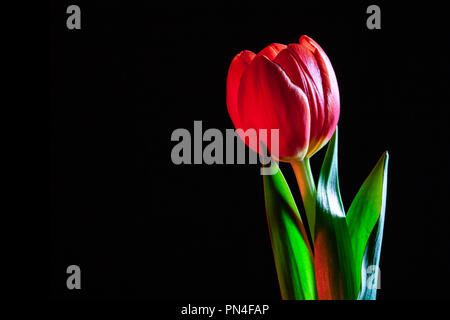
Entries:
{"x":142,"y":227}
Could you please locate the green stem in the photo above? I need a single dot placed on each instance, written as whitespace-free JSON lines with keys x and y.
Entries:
{"x":305,"y":181}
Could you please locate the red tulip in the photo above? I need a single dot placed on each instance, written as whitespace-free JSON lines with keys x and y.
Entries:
{"x":291,"y":88}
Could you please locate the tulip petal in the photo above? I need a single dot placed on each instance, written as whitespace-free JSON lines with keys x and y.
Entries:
{"x":268,"y":99}
{"x":299,"y":75}
{"x":272,"y":50}
{"x":330,"y":90}
{"x":309,"y":67}
{"x":237,"y":68}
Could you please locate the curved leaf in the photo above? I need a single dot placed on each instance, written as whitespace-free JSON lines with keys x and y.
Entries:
{"x":366,"y":212}
{"x":291,"y":250}
{"x":333,"y":254}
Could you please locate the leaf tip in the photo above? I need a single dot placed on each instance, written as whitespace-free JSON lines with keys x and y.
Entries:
{"x":385,"y":157}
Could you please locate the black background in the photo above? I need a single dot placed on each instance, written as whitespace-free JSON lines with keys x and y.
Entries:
{"x":142,"y":227}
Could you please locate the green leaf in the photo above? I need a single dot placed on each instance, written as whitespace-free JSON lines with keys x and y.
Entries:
{"x":365,"y":221}
{"x":333,"y":254}
{"x":291,"y":250}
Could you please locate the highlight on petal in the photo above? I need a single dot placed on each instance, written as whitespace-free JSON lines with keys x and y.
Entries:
{"x":286,"y":60}
{"x":237,"y":68}
{"x":268,"y":99}
{"x":272,"y":50}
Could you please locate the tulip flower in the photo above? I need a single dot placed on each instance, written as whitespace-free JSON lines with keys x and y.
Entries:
{"x":293,"y":88}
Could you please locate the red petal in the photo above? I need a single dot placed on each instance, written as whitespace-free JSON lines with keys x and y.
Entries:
{"x":308,"y":65}
{"x":237,"y":68}
{"x":298,"y":73}
{"x":331,"y":102}
{"x":271,"y":51}
{"x":268,"y":99}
